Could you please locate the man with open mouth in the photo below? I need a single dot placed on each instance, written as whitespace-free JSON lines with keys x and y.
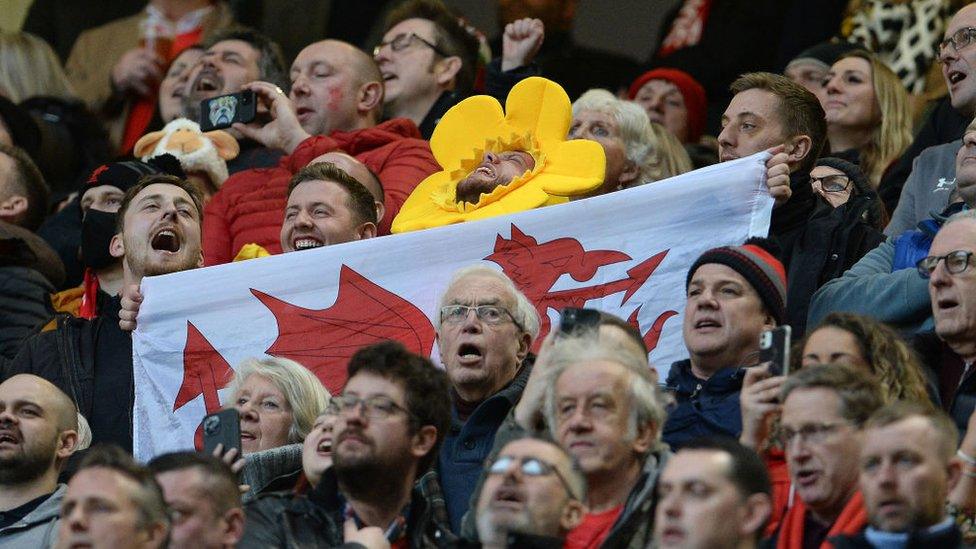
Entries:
{"x":38,"y":433}
{"x":158,"y":232}
{"x":484,"y":331}
{"x":497,"y":168}
{"x":533,"y":491}
{"x":821,"y":430}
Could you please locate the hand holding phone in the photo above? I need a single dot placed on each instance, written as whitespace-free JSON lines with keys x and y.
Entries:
{"x":223,"y":427}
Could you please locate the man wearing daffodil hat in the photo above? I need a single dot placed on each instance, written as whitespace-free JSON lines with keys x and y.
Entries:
{"x":495,"y":163}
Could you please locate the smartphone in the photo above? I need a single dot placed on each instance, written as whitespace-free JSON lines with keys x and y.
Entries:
{"x":573,"y":320}
{"x":222,"y":111}
{"x":774,"y":347}
{"x":223,"y":427}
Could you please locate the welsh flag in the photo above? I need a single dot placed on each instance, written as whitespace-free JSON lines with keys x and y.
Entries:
{"x":625,"y":253}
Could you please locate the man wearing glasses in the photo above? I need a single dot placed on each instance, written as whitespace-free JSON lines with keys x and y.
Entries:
{"x":950,"y":351}
{"x":389,"y":422}
{"x":533,"y":493}
{"x":921,"y":181}
{"x":429,"y":59}
{"x":484,"y":331}
{"x":824,"y":410}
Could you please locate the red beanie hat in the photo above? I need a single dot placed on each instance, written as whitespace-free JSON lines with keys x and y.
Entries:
{"x":692,"y":92}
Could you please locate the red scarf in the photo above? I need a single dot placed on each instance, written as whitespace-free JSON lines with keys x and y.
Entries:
{"x":687,"y":28}
{"x":852,"y":520}
{"x":89,"y":299}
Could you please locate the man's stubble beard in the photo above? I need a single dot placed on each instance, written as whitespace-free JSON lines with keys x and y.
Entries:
{"x":369,"y":478}
{"x":27,"y":466}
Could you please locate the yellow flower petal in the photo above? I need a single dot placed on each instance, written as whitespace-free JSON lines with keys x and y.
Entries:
{"x":540,"y":107}
{"x":465,"y":128}
{"x":572,"y":168}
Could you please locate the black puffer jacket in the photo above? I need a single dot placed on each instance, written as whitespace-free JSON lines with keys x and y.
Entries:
{"x":833,"y":240}
{"x":29,"y":272}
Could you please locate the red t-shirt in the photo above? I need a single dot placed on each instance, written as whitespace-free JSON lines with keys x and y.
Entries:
{"x":593,"y":530}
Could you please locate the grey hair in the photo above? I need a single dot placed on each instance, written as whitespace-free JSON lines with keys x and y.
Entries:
{"x":306,"y":395}
{"x":524,"y":313}
{"x":632,"y":125}
{"x":647,"y":402}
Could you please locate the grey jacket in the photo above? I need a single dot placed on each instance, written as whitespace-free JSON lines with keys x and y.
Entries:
{"x":899,"y":298}
{"x":39,"y":528}
{"x":927,"y":189}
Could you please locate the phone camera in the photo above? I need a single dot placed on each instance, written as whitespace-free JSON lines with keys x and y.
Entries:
{"x":211,"y":425}
{"x":767,"y":340}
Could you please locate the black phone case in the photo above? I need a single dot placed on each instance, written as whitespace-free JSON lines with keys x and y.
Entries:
{"x":775,"y":349}
{"x":223,"y":427}
{"x":223,"y":111}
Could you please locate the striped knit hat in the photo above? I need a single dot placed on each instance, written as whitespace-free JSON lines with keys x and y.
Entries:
{"x":756,"y":262}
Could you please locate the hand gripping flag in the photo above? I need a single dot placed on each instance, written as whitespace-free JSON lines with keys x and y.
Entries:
{"x":626,"y":253}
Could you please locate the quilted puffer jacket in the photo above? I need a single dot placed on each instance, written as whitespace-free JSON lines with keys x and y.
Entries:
{"x":250,"y":206}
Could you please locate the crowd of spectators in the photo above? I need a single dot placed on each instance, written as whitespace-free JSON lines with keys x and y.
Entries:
{"x":861,"y":439}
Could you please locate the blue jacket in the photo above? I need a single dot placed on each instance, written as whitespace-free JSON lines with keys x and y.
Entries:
{"x":467,"y":445}
{"x":702,"y":407}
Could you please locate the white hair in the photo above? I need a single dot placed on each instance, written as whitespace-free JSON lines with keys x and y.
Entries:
{"x":960,"y":216}
{"x":306,"y":395}
{"x":633,"y":126}
{"x":646,"y":401}
{"x":525,"y":314}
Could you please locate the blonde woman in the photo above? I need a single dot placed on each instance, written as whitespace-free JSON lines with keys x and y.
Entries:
{"x":868,"y":113}
{"x":29,"y":68}
{"x":668,"y":156}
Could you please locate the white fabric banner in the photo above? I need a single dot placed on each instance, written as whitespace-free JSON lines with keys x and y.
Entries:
{"x":625,"y":253}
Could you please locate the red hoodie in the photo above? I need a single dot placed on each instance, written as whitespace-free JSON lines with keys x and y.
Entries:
{"x":250,"y":205}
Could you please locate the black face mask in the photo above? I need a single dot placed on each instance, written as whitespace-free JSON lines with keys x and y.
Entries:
{"x":97,"y":230}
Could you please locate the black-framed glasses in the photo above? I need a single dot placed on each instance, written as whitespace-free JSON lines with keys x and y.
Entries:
{"x":959,"y":39}
{"x":401,"y":42}
{"x":836,"y":183}
{"x":530,"y":467}
{"x":812,"y":433}
{"x":955,"y":262}
{"x":489,"y":314}
{"x":377,"y":407}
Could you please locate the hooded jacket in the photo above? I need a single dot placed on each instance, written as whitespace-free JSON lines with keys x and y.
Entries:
{"x":39,"y":528}
{"x":250,"y":206}
{"x":702,"y":407}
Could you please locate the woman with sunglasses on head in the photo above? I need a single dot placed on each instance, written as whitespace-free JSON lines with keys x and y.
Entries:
{"x":845,"y":224}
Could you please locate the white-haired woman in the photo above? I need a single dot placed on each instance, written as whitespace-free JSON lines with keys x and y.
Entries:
{"x":622,"y":128}
{"x":278,"y":400}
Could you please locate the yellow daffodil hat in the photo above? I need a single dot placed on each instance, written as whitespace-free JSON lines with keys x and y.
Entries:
{"x":536,"y":120}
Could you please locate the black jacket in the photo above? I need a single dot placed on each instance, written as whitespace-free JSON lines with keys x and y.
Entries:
{"x":91,"y":361}
{"x":936,"y":356}
{"x":285,"y":520}
{"x":497,"y":84}
{"x":702,"y":408}
{"x":832,"y":241}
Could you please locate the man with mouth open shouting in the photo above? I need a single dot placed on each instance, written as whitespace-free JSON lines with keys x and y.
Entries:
{"x":484,"y":331}
{"x":496,"y":169}
{"x":91,"y":360}
{"x":532,"y":496}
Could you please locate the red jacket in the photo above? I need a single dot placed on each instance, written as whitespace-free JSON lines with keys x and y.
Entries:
{"x":250,"y":205}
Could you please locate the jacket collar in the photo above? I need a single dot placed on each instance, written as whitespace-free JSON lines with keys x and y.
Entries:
{"x":684,"y":382}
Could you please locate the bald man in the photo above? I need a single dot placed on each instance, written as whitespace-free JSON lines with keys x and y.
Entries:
{"x":334,"y":105}
{"x":38,"y":433}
